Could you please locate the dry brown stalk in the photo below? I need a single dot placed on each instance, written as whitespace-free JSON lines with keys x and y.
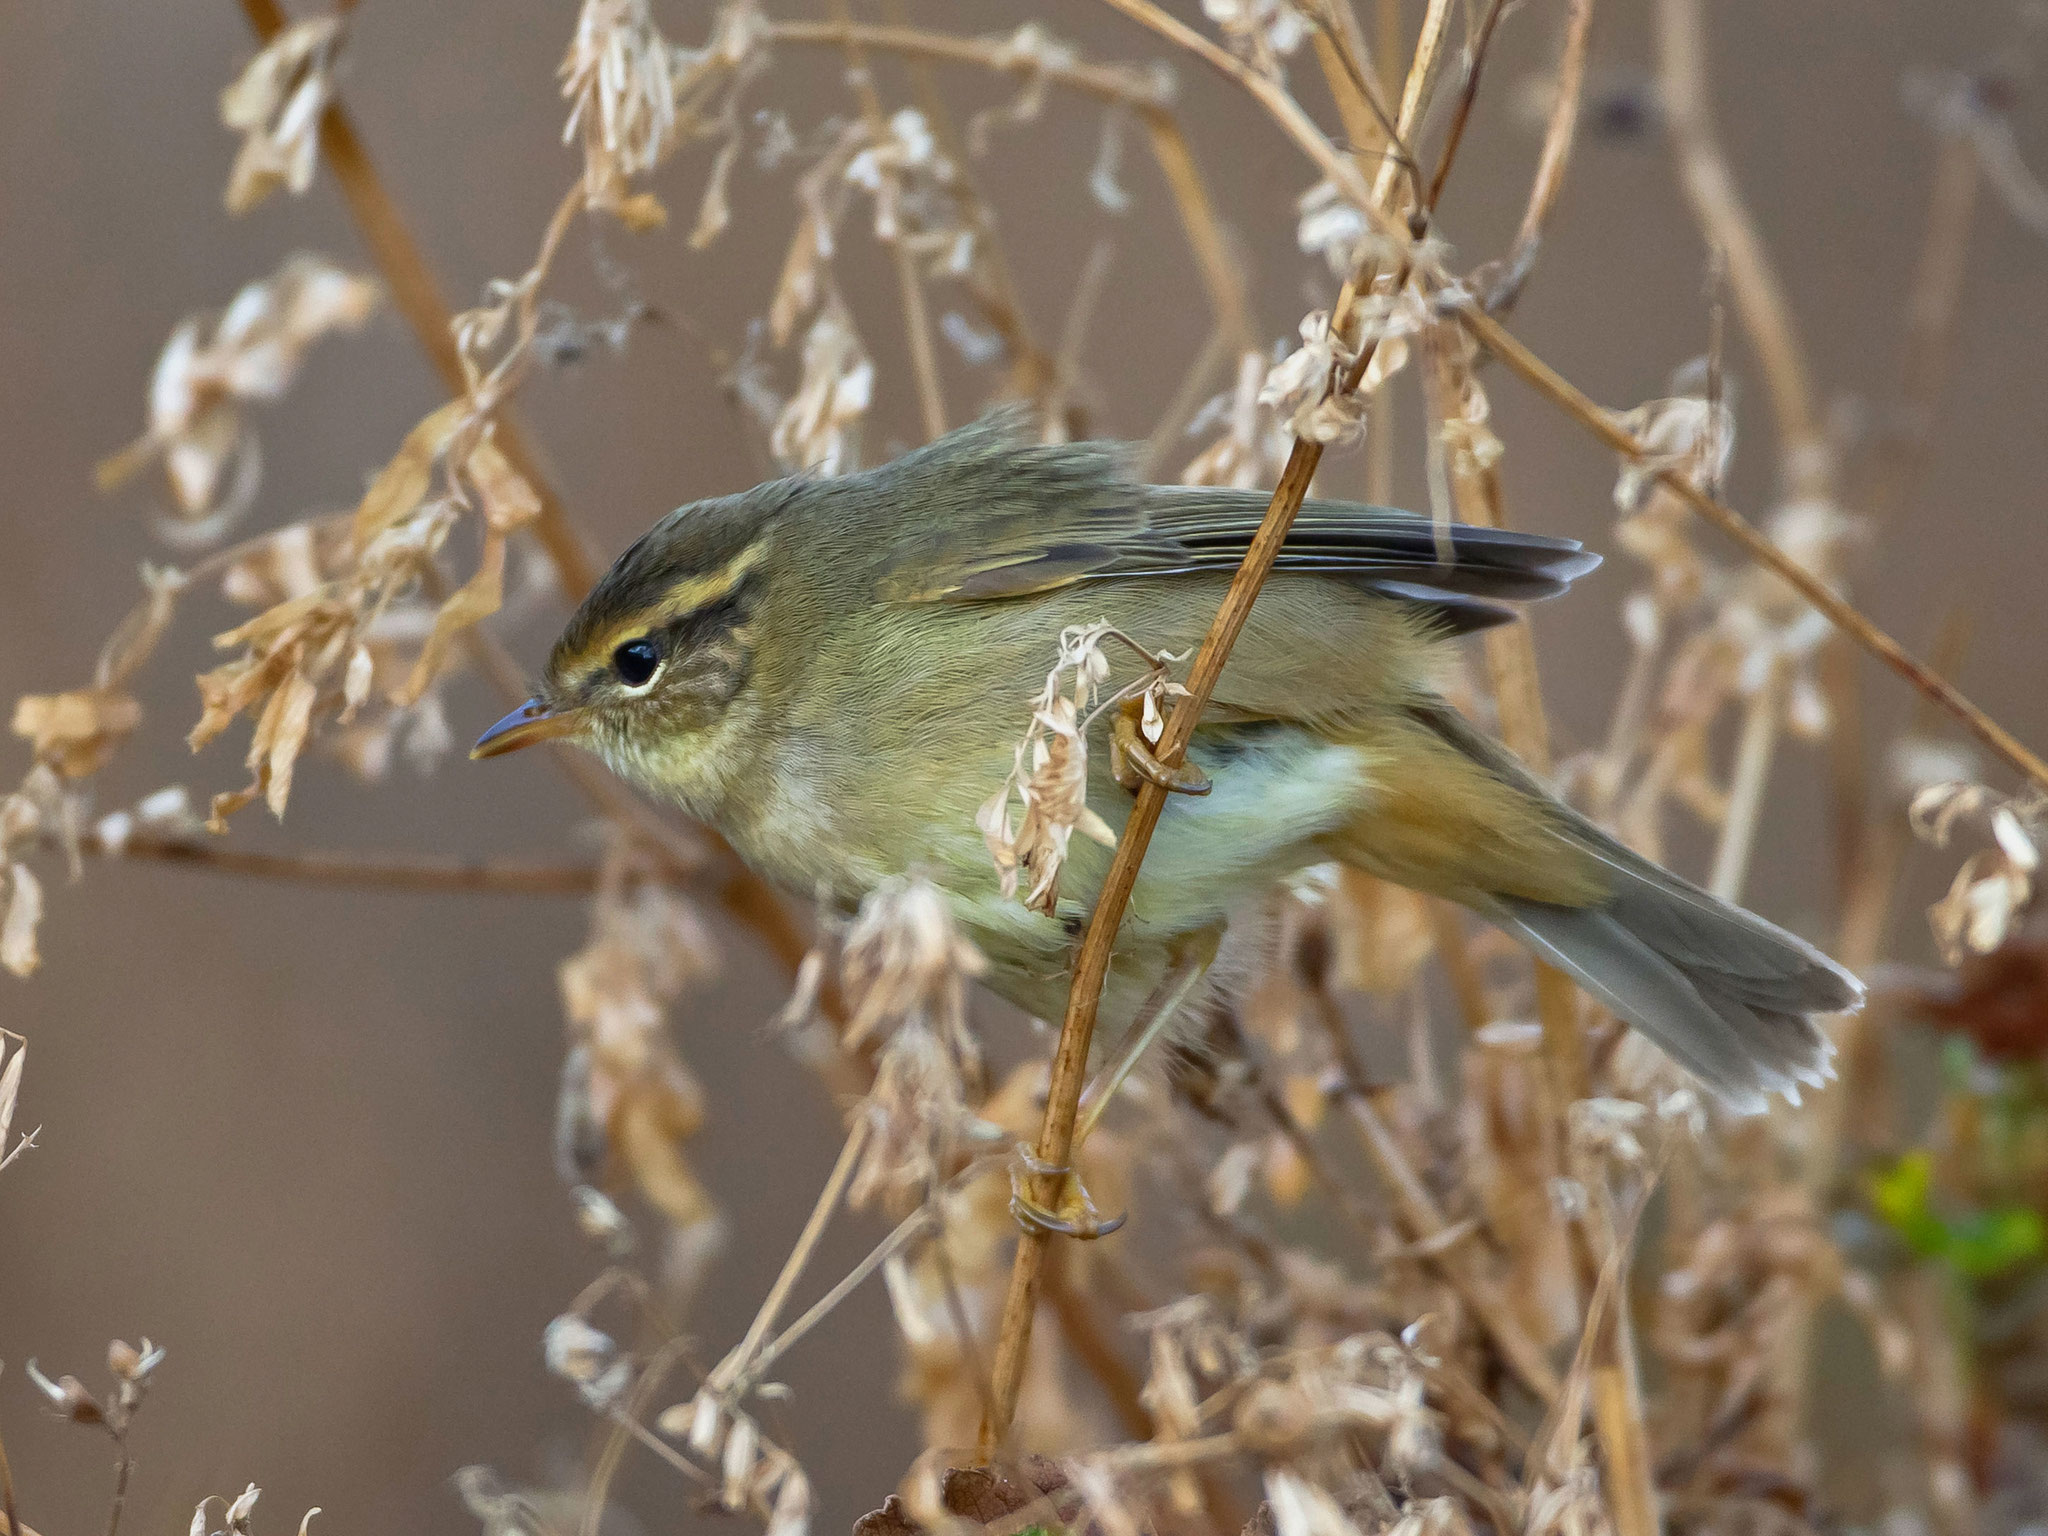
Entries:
{"x":1560,"y":135}
{"x":1428,"y":1229}
{"x":735,"y":1364}
{"x":917,"y":316}
{"x":1091,"y":964}
{"x":1575,"y":403}
{"x":1760,"y":718}
{"x":388,"y":871}
{"x":1114,"y":84}
{"x":1092,"y":1345}
{"x":418,"y":298}
{"x":1717,"y":205}
{"x":1283,"y":108}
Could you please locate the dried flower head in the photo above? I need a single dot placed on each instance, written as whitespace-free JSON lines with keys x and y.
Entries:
{"x":1254,"y":441}
{"x":1053,"y":788}
{"x":214,"y":366}
{"x":1265,"y":30}
{"x":628,"y":1100}
{"x":1995,"y":885}
{"x":818,"y":429}
{"x":634,"y":96}
{"x":276,"y":104}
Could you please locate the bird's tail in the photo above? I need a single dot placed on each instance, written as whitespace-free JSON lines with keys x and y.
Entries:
{"x":1728,"y":995}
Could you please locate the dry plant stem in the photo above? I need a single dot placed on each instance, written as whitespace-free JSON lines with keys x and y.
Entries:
{"x":597,"y":1489}
{"x":1753,"y":753}
{"x":1560,"y":135}
{"x":1187,"y":399}
{"x":1518,"y":696}
{"x":734,"y":1365}
{"x":1074,"y":335}
{"x":122,"y":1467}
{"x":1283,"y":108}
{"x":1617,"y":1402}
{"x":1093,"y":1347}
{"x":1466,"y":95}
{"x":917,"y":318}
{"x":911,"y":1227}
{"x":1447,"y":923}
{"x":1108,"y":83}
{"x":7,"y":1496}
{"x":1569,"y":398}
{"x":1717,"y":205}
{"x":418,"y":298}
{"x":1426,"y":1225}
{"x":1030,"y":368}
{"x":1091,"y":965}
{"x":398,"y":872}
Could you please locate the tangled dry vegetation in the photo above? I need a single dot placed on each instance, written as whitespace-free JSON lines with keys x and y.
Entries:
{"x":1546,"y":1290}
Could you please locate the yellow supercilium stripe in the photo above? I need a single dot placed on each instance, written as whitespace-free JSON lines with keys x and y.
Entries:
{"x":684,"y":598}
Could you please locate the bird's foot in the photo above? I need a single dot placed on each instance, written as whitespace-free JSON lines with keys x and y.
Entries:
{"x":1074,"y":1214}
{"x":1132,"y":761}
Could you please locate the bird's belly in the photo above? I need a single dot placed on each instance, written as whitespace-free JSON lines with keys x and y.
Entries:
{"x":1277,"y":789}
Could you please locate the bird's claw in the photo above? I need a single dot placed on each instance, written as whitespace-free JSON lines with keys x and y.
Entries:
{"x":1133,"y":762}
{"x":1076,"y":1216}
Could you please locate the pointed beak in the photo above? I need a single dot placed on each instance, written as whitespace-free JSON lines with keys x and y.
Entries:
{"x":529,"y":723}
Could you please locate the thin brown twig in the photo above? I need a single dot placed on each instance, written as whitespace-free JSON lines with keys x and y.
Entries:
{"x":418,"y":298}
{"x":1092,"y":1347}
{"x":1427,"y":1226}
{"x":1279,"y":105}
{"x":1569,"y":398}
{"x":917,"y":318}
{"x":1753,"y":753}
{"x":1074,"y":334}
{"x":989,"y":278}
{"x":1724,"y":218}
{"x":1467,"y":94}
{"x":387,"y":871}
{"x":1091,"y":964}
{"x":734,"y":1365}
{"x":1115,"y":84}
{"x":1560,"y":135}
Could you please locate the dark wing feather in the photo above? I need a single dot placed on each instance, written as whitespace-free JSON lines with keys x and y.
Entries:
{"x":1459,"y":573}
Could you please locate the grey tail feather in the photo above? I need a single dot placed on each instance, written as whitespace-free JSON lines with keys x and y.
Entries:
{"x":1727,"y":994}
{"x":1743,"y":1036}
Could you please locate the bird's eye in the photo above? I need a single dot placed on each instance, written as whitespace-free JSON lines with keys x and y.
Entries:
{"x":635,"y":662}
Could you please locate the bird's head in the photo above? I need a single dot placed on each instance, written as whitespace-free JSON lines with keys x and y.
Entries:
{"x":654,"y":660}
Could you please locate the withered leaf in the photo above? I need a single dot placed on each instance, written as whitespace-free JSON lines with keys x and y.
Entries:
{"x":136,"y":636}
{"x":74,"y":732}
{"x":476,"y":599}
{"x":401,"y":485}
{"x":509,"y":501}
{"x":283,"y":730}
{"x":18,"y":928}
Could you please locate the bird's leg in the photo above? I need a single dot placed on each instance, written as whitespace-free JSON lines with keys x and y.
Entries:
{"x":1131,"y":761}
{"x":1077,"y":1216}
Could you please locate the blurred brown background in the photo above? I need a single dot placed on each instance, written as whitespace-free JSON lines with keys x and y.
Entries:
{"x":302,"y":1137}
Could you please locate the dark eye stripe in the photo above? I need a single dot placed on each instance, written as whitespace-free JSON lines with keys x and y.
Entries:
{"x":701,"y":625}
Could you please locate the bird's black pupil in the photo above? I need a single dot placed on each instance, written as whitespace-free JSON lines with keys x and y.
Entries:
{"x":636,"y":661}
